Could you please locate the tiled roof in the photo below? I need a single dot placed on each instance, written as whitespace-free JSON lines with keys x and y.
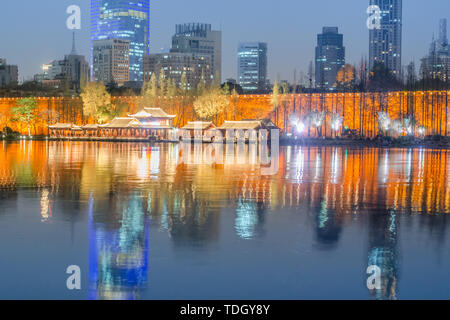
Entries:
{"x":202,"y":125}
{"x":158,"y":113}
{"x":245,"y":125}
{"x":64,"y":126}
{"x":123,"y":123}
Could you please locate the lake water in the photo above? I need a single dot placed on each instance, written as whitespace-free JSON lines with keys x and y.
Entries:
{"x":166,"y":221}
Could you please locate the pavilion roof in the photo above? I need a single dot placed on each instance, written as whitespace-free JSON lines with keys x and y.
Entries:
{"x":202,"y":125}
{"x":141,"y":114}
{"x":64,"y":126}
{"x":123,"y":123}
{"x":245,"y":125}
{"x":158,"y":113}
{"x":90,"y":126}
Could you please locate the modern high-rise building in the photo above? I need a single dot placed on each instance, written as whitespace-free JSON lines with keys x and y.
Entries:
{"x":198,"y":38}
{"x":330,"y":57}
{"x":127,"y":20}
{"x":436,"y":65}
{"x":111,"y":61}
{"x":9,"y":74}
{"x":385,"y":43}
{"x":194,"y":66}
{"x":252,"y":66}
{"x":71,"y":72}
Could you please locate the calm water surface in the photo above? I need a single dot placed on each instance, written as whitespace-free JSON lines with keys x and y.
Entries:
{"x":165,"y":222}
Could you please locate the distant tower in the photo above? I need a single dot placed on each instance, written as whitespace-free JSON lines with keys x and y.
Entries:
{"x":199,"y":38}
{"x":74,"y":50}
{"x":125,"y":20}
{"x":252,"y":66}
{"x":385,"y":44}
{"x":330,"y":57}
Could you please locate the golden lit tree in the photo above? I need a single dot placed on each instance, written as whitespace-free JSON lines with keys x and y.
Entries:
{"x":210,"y":103}
{"x":95,"y":99}
{"x":345,"y":79}
{"x":25,"y":112}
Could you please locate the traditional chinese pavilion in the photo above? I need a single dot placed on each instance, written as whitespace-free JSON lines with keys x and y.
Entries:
{"x":148,"y":123}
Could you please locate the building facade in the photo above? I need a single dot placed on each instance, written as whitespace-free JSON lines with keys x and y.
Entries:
{"x":126,"y":20}
{"x":436,"y":65}
{"x":194,"y":66}
{"x":71,"y":72}
{"x":111,"y":61}
{"x":385,"y":43}
{"x":330,"y":57}
{"x":252,"y":66}
{"x":9,"y":74}
{"x":198,"y":38}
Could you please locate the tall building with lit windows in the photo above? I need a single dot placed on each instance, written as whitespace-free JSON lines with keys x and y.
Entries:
{"x":252,"y":66}
{"x":386,"y":42}
{"x":200,"y":39}
{"x":330,"y":57}
{"x":126,"y":20}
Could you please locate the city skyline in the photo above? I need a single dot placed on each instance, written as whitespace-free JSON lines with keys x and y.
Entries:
{"x":284,"y":57}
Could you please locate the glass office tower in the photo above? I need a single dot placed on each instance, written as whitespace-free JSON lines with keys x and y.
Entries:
{"x":386,"y":43}
{"x":252,"y":66}
{"x":127,"y":20}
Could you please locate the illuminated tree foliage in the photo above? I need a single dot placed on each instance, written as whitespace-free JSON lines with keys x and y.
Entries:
{"x":95,"y":100}
{"x":25,"y":112}
{"x":210,"y":103}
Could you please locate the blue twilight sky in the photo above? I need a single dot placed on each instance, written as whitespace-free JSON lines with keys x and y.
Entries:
{"x":33,"y":32}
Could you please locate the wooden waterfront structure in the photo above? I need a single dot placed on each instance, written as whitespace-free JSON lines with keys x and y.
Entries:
{"x":150,"y":123}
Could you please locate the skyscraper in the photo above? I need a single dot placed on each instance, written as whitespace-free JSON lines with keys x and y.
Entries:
{"x":330,"y":57}
{"x":111,"y":61}
{"x":200,"y":39}
{"x":252,"y":66}
{"x":127,"y":20}
{"x":193,"y":66}
{"x":436,"y":65}
{"x":386,"y":42}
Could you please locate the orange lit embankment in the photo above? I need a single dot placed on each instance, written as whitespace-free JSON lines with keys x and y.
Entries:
{"x":359,"y":110}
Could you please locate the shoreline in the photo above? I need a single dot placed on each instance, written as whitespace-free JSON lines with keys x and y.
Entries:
{"x":428,"y":143}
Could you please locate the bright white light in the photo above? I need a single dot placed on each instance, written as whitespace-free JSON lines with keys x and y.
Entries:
{"x":421,"y":131}
{"x":336,"y":122}
{"x":384,"y":121}
{"x":300,"y":127}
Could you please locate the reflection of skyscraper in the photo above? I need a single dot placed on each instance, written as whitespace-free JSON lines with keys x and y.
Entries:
{"x":118,"y":257}
{"x":125,"y":20}
{"x":249,"y":218}
{"x":383,"y":252}
{"x":386,"y":43}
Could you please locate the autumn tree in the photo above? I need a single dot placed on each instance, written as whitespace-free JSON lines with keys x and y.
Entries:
{"x":211,"y":103}
{"x":95,"y":99}
{"x":25,"y":112}
{"x":345,"y":79}
{"x":276,"y":100}
{"x":149,"y":93}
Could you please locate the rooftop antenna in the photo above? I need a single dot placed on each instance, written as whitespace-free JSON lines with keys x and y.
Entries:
{"x":74,"y":50}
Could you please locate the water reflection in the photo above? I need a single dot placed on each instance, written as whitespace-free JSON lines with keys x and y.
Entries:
{"x":118,"y":250}
{"x":185,"y":191}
